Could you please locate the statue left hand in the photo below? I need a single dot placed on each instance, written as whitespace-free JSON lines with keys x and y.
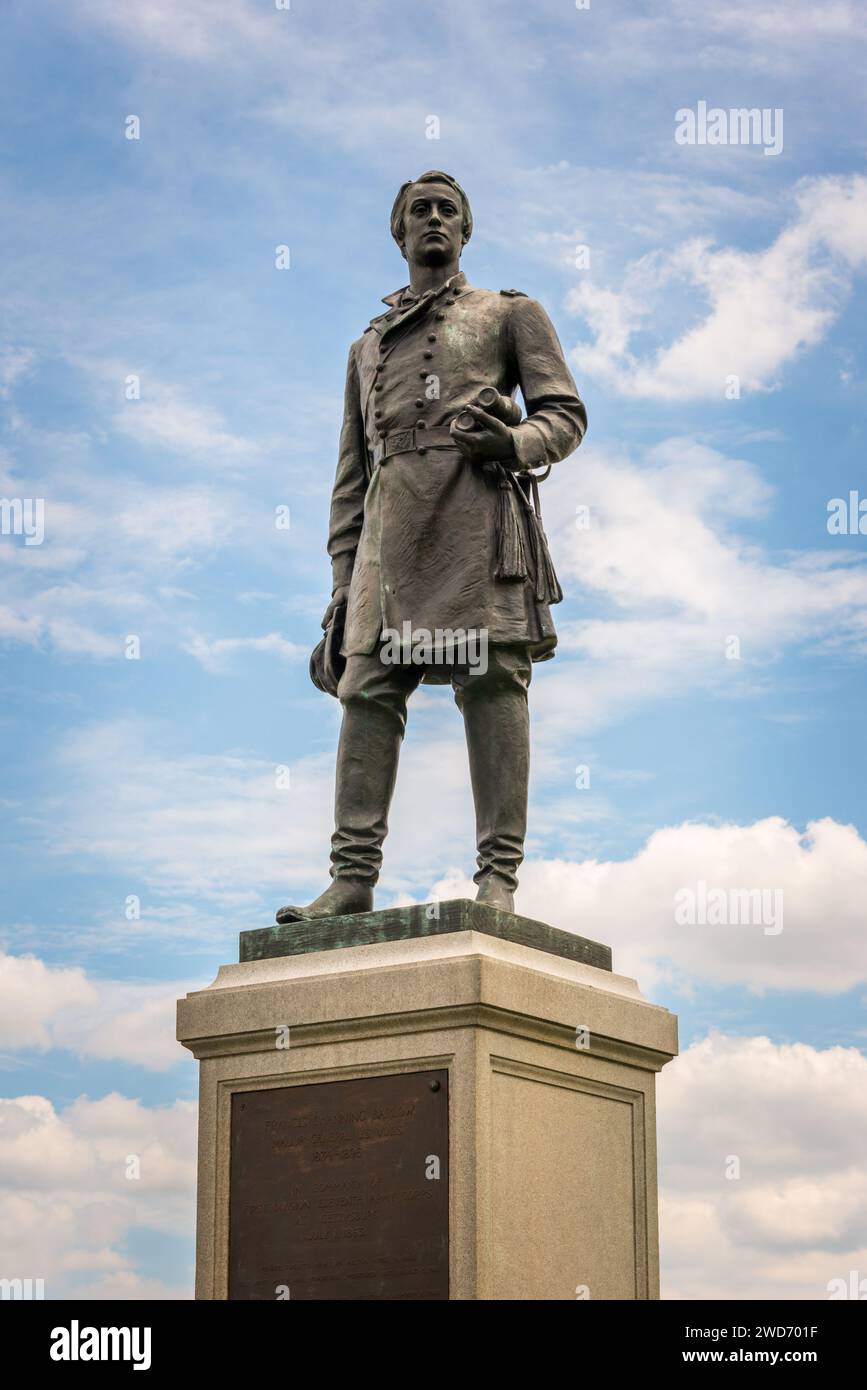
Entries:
{"x":490,"y":440}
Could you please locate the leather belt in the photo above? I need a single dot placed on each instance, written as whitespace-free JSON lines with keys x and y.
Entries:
{"x":411,"y":441}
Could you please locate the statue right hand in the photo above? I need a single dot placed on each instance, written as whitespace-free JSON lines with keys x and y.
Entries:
{"x":339,"y":596}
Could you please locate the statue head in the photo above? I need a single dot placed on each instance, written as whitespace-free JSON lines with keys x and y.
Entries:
{"x":431,"y":219}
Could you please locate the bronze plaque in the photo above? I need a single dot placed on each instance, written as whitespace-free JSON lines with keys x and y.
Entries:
{"x":340,"y":1190}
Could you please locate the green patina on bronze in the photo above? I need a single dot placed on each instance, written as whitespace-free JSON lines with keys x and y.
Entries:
{"x":426,"y":919}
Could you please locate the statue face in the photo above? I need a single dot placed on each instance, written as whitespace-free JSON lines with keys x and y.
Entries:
{"x":432,"y":221}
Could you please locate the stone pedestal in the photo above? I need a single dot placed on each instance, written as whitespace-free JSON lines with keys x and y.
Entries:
{"x":498,"y":1141}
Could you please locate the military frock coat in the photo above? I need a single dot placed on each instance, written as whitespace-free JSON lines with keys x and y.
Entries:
{"x":413,"y":532}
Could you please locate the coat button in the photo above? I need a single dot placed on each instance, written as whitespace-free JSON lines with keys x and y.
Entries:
{"x":421,"y":424}
{"x":423,"y":375}
{"x":378,"y":386}
{"x":421,"y":449}
{"x":419,"y":405}
{"x":427,"y":354}
{"x":431,"y":337}
{"x":440,"y":316}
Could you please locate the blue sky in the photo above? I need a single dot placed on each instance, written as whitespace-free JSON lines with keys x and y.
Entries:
{"x":155,"y":777}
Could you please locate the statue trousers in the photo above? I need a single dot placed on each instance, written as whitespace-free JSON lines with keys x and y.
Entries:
{"x":493,"y":702}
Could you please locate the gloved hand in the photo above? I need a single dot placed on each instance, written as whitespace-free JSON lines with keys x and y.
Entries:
{"x":340,"y":595}
{"x":490,"y":441}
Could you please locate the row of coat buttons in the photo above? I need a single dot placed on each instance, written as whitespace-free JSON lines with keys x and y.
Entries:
{"x":428,"y":355}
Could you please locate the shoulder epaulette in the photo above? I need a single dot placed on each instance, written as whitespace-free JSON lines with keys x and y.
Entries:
{"x":512,"y":293}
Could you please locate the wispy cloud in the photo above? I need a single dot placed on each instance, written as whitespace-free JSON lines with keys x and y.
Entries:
{"x":763,"y":307}
{"x":216,"y":655}
{"x":658,"y":551}
{"x":15,"y":363}
{"x":196,"y":432}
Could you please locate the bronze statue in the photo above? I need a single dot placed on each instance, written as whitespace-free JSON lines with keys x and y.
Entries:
{"x":435,"y":530}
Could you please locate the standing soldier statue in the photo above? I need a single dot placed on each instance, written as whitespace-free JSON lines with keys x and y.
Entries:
{"x":435,"y":530}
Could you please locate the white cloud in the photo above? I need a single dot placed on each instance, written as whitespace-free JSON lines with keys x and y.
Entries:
{"x":43,"y":1007}
{"x":796,"y":1119}
{"x":112,"y":551}
{"x":761,"y":307}
{"x":15,"y":363}
{"x":199,"y":31}
{"x":172,"y":525}
{"x":67,"y":1205}
{"x":164,"y":420}
{"x":820,"y":873}
{"x":543,"y":213}
{"x":31,"y":997}
{"x":133,"y":1023}
{"x":668,"y":578}
{"x":744,"y":38}
{"x":777,"y":23}
{"x":216,"y":655}
{"x":18,"y":628}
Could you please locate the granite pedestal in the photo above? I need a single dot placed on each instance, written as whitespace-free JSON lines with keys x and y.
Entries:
{"x":439,"y":1101}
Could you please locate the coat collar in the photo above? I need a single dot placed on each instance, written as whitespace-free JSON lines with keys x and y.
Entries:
{"x":405,"y":300}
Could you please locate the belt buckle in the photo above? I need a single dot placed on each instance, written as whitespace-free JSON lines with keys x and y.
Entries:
{"x":401,"y":442}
